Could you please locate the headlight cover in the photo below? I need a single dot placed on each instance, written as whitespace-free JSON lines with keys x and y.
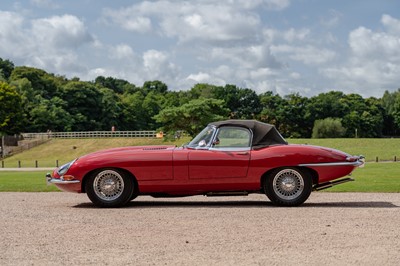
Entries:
{"x":64,"y":168}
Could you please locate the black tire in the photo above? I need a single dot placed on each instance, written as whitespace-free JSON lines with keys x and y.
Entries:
{"x":288,"y":186}
{"x":109,"y":188}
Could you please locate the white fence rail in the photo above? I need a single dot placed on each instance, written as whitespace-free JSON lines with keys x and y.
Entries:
{"x":92,"y":134}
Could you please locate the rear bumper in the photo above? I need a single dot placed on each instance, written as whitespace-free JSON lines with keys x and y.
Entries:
{"x":355,"y":161}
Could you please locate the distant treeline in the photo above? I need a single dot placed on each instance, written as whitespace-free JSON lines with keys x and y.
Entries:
{"x":32,"y":100}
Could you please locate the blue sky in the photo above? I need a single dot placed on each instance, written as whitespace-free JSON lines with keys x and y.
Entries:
{"x":284,"y":46}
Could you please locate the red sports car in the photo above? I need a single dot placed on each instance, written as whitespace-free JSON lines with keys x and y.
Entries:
{"x":233,"y":157}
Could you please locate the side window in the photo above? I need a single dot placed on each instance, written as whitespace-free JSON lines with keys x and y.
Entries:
{"x":231,"y":137}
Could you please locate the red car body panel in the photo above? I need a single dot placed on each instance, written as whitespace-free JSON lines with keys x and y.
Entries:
{"x":166,"y":169}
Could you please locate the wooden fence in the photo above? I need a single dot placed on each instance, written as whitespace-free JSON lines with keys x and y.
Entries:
{"x":92,"y":134}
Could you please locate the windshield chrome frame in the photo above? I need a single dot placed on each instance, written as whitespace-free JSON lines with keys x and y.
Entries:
{"x":209,"y":145}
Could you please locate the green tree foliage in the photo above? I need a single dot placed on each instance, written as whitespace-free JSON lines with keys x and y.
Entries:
{"x":10,"y":109}
{"x":325,"y":105}
{"x":365,"y":116}
{"x":243,"y":103}
{"x":292,"y":115}
{"x":51,"y":114}
{"x":192,"y":116}
{"x":47,"y":101}
{"x":6,"y":68}
{"x":328,"y":128}
{"x":391,"y":106}
{"x":272,"y":104}
{"x":117,"y":85}
{"x":84,"y":103}
{"x":42,"y":83}
{"x":155,"y":85}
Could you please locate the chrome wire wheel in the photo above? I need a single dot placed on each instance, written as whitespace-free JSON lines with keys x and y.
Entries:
{"x":288,"y":184}
{"x":108,"y":185}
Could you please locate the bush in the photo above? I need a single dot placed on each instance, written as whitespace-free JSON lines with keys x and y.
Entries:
{"x":328,"y":128}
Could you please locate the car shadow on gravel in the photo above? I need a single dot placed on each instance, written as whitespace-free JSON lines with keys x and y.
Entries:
{"x":353,"y":204}
{"x":244,"y":204}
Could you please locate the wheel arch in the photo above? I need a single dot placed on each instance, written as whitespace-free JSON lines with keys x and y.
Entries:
{"x":90,"y":173}
{"x":310,"y":172}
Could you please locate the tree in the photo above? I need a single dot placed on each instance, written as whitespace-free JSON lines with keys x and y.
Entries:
{"x":192,"y":116}
{"x":42,"y":83}
{"x":117,"y":85}
{"x":243,"y":103}
{"x":365,"y":116}
{"x":292,"y":117}
{"x":326,"y":105}
{"x":84,"y":103}
{"x":328,"y":128}
{"x":10,"y":109}
{"x":155,"y":85}
{"x":132,"y":116}
{"x":391,"y":106}
{"x":271,"y":108}
{"x":50,"y":115}
{"x":6,"y":68}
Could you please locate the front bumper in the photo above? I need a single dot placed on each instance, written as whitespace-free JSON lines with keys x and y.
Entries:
{"x":60,"y":181}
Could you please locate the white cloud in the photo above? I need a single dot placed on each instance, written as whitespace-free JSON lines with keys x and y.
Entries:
{"x":157,"y":66}
{"x":308,"y":54}
{"x":45,"y":4}
{"x":60,"y":31}
{"x":207,"y":21}
{"x":374,"y":64}
{"x":392,"y":24}
{"x":11,"y":33}
{"x":291,"y":35}
{"x":121,"y":51}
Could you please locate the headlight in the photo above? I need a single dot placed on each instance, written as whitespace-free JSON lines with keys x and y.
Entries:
{"x":64,"y":168}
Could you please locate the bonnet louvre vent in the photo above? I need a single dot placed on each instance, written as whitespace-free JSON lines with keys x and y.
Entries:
{"x":155,"y":148}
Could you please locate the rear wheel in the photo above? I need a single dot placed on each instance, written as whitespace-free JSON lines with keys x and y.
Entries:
{"x":288,"y":186}
{"x":109,"y":188}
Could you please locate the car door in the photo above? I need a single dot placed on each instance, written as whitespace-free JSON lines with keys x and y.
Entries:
{"x":227,"y":156}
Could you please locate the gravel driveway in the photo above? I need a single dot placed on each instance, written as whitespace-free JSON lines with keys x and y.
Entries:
{"x":329,"y":229}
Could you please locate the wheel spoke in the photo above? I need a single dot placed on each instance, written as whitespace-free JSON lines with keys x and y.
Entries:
{"x":288,"y":184}
{"x":108,"y":185}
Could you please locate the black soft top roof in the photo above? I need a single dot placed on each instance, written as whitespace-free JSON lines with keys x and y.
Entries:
{"x":263,"y":134}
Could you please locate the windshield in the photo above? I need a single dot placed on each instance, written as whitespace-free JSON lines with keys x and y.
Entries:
{"x":203,"y":139}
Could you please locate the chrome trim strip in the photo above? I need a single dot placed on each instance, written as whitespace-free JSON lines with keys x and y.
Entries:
{"x":356,"y":163}
{"x":60,"y":181}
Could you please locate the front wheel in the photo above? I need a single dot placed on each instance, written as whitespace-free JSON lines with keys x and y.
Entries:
{"x":109,"y":188}
{"x":288,"y":186}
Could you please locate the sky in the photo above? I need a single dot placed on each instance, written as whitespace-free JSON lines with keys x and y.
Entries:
{"x":285,"y":46}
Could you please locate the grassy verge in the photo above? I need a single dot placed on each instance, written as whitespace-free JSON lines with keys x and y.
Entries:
{"x":374,"y":177}
{"x":384,"y":149}
{"x":24,"y":182}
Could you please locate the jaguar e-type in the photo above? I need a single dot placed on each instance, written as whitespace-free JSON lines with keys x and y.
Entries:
{"x":232,"y":157}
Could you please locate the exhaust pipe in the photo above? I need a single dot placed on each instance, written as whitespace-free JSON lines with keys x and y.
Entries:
{"x":330,"y":184}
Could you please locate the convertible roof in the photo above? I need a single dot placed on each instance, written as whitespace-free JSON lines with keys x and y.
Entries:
{"x":263,"y":134}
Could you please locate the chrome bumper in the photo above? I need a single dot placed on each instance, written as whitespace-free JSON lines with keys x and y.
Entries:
{"x":359,"y":161}
{"x":51,"y":180}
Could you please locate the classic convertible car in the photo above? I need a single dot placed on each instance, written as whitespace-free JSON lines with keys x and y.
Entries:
{"x":233,"y":157}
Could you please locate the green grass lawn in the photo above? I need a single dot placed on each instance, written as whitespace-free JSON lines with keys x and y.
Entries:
{"x":24,"y":182}
{"x":384,"y":149}
{"x":374,"y":177}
